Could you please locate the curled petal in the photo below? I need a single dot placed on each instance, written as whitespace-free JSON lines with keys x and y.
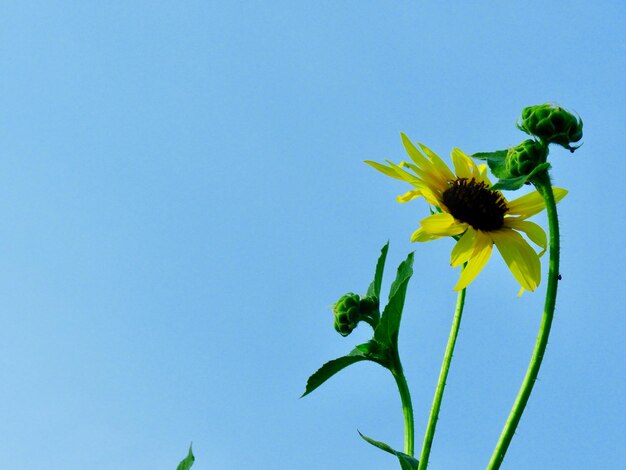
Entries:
{"x":409,"y":195}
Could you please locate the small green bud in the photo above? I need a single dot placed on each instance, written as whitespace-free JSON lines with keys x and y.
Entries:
{"x":350,"y":309}
{"x":552,"y":124}
{"x":347,"y":313}
{"x":524,"y":158}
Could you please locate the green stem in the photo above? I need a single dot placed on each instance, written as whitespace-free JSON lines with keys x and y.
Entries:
{"x":407,"y":408}
{"x":441,"y":385}
{"x":544,"y":187}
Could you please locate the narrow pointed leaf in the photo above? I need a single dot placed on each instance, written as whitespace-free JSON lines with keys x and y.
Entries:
{"x":332,"y":367}
{"x":386,"y":332}
{"x":374,"y":288}
{"x":406,"y":461}
{"x":187,"y":462}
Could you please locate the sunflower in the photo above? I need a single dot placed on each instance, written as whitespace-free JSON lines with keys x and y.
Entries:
{"x":477,"y":217}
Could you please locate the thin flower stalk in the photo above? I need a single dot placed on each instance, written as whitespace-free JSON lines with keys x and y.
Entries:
{"x":441,"y":385}
{"x":545,"y":189}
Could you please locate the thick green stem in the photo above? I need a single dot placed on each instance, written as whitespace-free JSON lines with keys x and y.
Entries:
{"x":407,"y":408}
{"x":545,"y":189}
{"x":441,"y":385}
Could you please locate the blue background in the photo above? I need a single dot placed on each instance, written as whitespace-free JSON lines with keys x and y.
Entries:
{"x":183,"y":198}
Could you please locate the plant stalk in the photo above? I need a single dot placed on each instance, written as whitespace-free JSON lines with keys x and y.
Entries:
{"x":544,"y":187}
{"x":441,"y":385}
{"x":407,"y":408}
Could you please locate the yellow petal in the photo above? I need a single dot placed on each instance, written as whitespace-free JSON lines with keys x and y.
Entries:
{"x":404,"y":175}
{"x":559,"y":194}
{"x":409,"y":195}
{"x":420,"y":236}
{"x":531,"y":229}
{"x":442,"y":224}
{"x":527,"y":205}
{"x":463,"y":248}
{"x":419,"y":172}
{"x":532,"y":203}
{"x":419,"y":159}
{"x":483,"y":247}
{"x":427,"y":192}
{"x":462,"y":167}
{"x":443,"y":170}
{"x":384,"y":169}
{"x":521,"y":259}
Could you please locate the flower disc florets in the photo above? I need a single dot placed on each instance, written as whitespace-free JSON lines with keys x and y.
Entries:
{"x":552,"y":124}
{"x":473,"y":202}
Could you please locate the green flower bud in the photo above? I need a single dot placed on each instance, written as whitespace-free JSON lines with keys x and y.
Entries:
{"x":347,"y":313}
{"x":350,"y":309}
{"x":552,"y":124}
{"x":524,"y":158}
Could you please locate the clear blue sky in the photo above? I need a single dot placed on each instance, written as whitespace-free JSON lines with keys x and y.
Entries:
{"x":183,"y":197}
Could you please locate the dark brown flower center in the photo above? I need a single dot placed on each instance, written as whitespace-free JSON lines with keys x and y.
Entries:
{"x":473,"y":202}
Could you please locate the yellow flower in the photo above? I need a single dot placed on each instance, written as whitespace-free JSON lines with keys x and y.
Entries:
{"x":469,"y":211}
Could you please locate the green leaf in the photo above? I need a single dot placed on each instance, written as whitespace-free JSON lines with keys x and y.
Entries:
{"x":374,"y":288}
{"x":495,"y":160}
{"x":406,"y":461}
{"x":387,"y":330}
{"x":187,"y":462}
{"x":511,"y":184}
{"x":377,"y":352}
{"x":332,"y":367}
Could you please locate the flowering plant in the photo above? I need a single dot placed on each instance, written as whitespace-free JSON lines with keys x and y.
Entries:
{"x":465,"y":205}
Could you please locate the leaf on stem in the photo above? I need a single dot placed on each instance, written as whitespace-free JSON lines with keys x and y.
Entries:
{"x":387,"y":330}
{"x":187,"y":462}
{"x":406,"y":461}
{"x":495,"y":160}
{"x":332,"y":367}
{"x":374,"y":288}
{"x":511,"y":184}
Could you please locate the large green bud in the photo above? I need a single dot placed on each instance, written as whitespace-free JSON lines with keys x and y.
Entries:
{"x":350,"y":309}
{"x":524,"y":158}
{"x":552,"y":124}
